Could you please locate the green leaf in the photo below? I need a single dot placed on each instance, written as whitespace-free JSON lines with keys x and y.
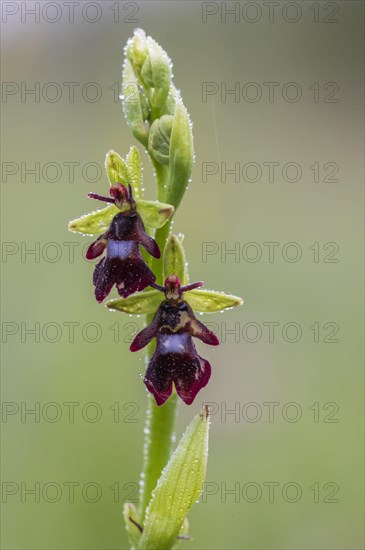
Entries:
{"x":142,"y":303}
{"x":154,"y":213}
{"x":131,"y":520}
{"x":116,"y":168}
{"x":209,"y":301}
{"x":94,"y":223}
{"x":174,"y":260}
{"x":181,"y":156}
{"x":133,"y":104}
{"x":179,"y":486}
{"x":134,"y":168}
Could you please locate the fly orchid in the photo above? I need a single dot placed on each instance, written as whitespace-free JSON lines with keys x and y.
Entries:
{"x":123,"y":264}
{"x":175,"y":359}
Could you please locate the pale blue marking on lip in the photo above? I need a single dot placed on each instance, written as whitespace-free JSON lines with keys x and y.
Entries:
{"x":173,"y":343}
{"x":120,"y":249}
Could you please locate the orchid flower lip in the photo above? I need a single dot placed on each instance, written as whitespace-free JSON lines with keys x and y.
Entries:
{"x":120,"y":249}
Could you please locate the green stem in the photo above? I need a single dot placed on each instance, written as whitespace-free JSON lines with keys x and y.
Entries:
{"x":160,"y":421}
{"x":158,"y":442}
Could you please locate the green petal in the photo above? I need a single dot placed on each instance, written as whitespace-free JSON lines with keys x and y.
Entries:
{"x":142,"y":303}
{"x":174,"y":260}
{"x":134,"y":167}
{"x":209,"y":301}
{"x":154,"y":214}
{"x":179,"y":486}
{"x":134,"y":534}
{"x":94,"y":223}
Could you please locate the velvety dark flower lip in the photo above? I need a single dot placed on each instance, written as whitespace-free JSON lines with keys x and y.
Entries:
{"x":123,"y":265}
{"x":175,"y":359}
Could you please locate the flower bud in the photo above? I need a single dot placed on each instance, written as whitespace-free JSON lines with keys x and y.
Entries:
{"x":156,"y":72}
{"x":135,"y":105}
{"x":159,"y":139}
{"x":146,"y":111}
{"x":137,"y":49}
{"x":151,"y":66}
{"x":170,"y":103}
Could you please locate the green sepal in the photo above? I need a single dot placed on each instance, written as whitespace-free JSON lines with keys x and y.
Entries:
{"x":180,"y":157}
{"x":154,"y":213}
{"x":127,"y":172}
{"x":95,"y":223}
{"x":179,"y":486}
{"x":134,"y":106}
{"x":174,"y":260}
{"x":131,"y":520}
{"x":142,"y":303}
{"x":209,"y":301}
{"x":116,"y":168}
{"x":134,"y":167}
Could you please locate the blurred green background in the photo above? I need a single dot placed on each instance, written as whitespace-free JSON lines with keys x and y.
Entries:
{"x":313,"y":381}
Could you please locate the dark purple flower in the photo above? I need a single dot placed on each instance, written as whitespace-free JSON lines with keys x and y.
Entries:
{"x":123,"y":264}
{"x":175,"y":359}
